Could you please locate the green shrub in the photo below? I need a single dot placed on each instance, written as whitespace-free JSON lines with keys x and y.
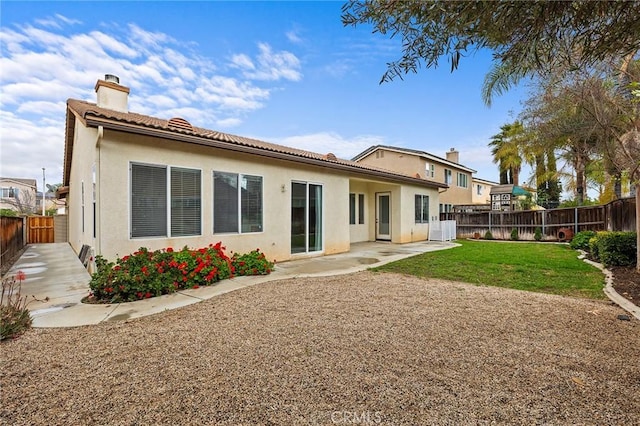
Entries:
{"x":252,"y":263}
{"x":488,"y":235}
{"x":593,"y":246}
{"x":581,"y":240}
{"x":514,"y":234}
{"x":146,"y":274}
{"x":8,"y":212}
{"x":614,"y":248}
{"x":537,"y":235}
{"x":14,"y":315}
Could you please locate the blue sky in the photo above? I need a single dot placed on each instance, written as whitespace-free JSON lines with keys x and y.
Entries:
{"x":284,"y":72}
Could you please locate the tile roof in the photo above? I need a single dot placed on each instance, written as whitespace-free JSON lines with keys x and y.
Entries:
{"x":180,"y":129}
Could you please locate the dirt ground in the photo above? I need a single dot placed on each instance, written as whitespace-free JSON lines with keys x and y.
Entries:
{"x":372,"y":348}
{"x":626,"y":282}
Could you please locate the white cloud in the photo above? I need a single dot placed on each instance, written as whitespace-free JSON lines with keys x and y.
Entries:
{"x":271,"y":65}
{"x":229,"y":122}
{"x":326,"y":142}
{"x":45,"y":63}
{"x":242,"y":61}
{"x":293,"y":37}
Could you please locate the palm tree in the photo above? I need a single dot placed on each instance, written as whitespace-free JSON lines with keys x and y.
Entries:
{"x":507,"y":150}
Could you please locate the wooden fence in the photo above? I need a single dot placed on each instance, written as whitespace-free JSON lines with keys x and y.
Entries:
{"x":40,"y":229}
{"x":618,"y":215}
{"x":12,"y":232}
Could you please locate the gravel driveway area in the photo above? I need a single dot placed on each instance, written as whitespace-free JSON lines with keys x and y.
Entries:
{"x":365,"y":348}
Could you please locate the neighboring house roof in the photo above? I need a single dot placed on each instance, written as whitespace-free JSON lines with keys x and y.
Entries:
{"x":488,"y":182}
{"x":25,"y":182}
{"x":180,"y":130}
{"x":422,"y":154}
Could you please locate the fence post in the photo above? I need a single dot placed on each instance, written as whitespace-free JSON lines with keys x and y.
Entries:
{"x":575,"y":221}
{"x":490,"y":221}
{"x":544,"y":216}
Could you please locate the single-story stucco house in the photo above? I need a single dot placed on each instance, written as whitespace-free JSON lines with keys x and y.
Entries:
{"x":133,"y":181}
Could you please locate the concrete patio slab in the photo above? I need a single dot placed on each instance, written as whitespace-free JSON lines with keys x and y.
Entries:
{"x":54,"y":271}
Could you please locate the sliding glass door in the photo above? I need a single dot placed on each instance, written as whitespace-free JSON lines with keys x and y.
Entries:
{"x":306,"y":217}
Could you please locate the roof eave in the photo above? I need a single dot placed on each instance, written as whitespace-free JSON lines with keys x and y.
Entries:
{"x":106,"y":123}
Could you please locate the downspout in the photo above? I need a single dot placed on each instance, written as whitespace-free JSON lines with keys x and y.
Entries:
{"x":98,"y":204}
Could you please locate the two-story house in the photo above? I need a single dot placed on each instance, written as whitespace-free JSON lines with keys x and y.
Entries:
{"x":422,"y":164}
{"x":18,"y":194}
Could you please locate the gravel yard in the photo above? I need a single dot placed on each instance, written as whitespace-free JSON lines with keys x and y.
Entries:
{"x":365,"y":348}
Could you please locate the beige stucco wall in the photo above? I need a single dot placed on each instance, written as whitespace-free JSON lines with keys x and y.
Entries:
{"x":112,"y":172}
{"x":485,"y":198}
{"x":118,"y":150}
{"x":84,"y":157}
{"x":411,"y":164}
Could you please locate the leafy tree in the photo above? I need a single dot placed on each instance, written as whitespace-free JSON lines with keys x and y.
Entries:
{"x":523,"y":35}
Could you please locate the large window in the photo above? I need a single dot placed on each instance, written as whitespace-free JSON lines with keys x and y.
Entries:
{"x":463,"y":180}
{"x":356,"y":207}
{"x":422,"y":208}
{"x":237,"y":203}
{"x":447,"y":177}
{"x":151,"y":196}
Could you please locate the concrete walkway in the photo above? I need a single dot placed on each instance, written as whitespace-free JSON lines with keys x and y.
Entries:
{"x":54,"y":271}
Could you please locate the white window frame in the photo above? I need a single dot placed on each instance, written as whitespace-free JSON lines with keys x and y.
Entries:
{"x":462,"y":180}
{"x":430,"y":170}
{"x":422,"y":218}
{"x":448,"y":176}
{"x":168,"y":169}
{"x":239,"y":177}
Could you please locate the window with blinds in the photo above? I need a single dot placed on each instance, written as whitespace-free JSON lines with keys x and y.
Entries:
{"x":237,"y":203}
{"x":148,"y":201}
{"x":185,"y":202}
{"x":225,"y":202}
{"x":251,"y":203}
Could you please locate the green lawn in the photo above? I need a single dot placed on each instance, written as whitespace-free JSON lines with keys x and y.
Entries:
{"x":545,"y":268}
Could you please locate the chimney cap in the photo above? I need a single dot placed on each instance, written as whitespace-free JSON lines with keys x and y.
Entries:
{"x":112,"y":78}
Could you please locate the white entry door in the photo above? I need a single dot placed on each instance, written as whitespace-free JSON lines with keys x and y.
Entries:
{"x":383,"y":216}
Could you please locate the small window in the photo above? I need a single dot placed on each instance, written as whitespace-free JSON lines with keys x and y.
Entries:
{"x":352,"y":209}
{"x":447,"y":177}
{"x":430,"y":170}
{"x":463,"y":180}
{"x":422,"y":208}
{"x":356,"y":205}
{"x":9,"y":192}
{"x":479,"y":189}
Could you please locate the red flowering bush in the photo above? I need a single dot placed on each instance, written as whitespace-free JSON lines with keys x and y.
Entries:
{"x":146,"y":274}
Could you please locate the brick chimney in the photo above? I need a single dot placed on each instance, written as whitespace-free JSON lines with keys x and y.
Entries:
{"x":453,"y":156}
{"x":111,"y":95}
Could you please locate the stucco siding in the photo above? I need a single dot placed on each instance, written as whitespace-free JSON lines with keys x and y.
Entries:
{"x":80,"y":220}
{"x":120,"y":150}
